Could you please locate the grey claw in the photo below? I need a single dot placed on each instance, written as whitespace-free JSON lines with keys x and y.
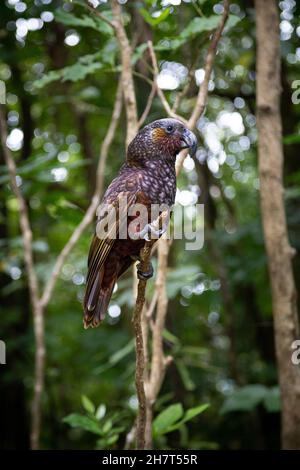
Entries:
{"x":149,"y":230}
{"x":144,"y":275}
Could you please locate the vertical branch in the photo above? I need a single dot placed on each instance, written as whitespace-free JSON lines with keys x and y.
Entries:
{"x":278,"y":249}
{"x":139,"y":347}
{"x":160,"y":93}
{"x":24,"y":217}
{"x":141,"y":379}
{"x":159,"y":362}
{"x":127,"y":76}
{"x":148,"y":105}
{"x":209,"y":61}
{"x":127,"y":72}
{"x":39,"y":375}
{"x":38,"y":313}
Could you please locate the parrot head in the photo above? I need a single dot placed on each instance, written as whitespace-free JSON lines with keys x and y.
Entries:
{"x":162,"y":138}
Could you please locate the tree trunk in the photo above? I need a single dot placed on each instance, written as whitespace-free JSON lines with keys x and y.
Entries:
{"x":39,"y":375}
{"x":278,"y":249}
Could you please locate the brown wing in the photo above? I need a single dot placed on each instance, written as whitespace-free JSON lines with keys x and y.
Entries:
{"x":101,"y":247}
{"x":112,"y":217}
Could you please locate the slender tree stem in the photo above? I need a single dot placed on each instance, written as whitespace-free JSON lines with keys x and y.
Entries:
{"x":139,"y":347}
{"x":37,"y":309}
{"x":127,"y":73}
{"x":160,"y":93}
{"x":148,"y":105}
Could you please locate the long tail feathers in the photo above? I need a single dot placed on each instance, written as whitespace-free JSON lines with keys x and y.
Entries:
{"x":96,"y":301}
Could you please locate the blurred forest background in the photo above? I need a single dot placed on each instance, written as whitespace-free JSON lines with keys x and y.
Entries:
{"x":61,"y":66}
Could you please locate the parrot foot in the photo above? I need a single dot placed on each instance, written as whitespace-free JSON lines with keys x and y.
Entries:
{"x":144,"y":275}
{"x":149,"y":232}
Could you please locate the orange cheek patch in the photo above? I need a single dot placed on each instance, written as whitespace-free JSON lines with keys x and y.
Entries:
{"x":158,"y":133}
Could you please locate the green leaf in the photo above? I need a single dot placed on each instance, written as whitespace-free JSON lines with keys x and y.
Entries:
{"x":167,"y":418}
{"x":87,"y":404}
{"x":190,"y":414}
{"x":107,"y":427}
{"x":244,"y":399}
{"x":68,"y":19}
{"x":40,"y":246}
{"x":79,"y":71}
{"x":176,"y":276}
{"x":154,"y":20}
{"x":292,"y":193}
{"x":195,"y":28}
{"x":185,"y":376}
{"x":112,"y":440}
{"x":123,"y":352}
{"x":200,"y":25}
{"x":83,"y":422}
{"x":291,"y":139}
{"x":170,"y":337}
{"x":85,"y":66}
{"x":167,"y":44}
{"x":138,"y":53}
{"x":101,"y":411}
{"x":232,"y":21}
{"x":36,"y":163}
{"x":47,"y":78}
{"x":85,"y":21}
{"x":193,"y":412}
{"x":272,"y":401}
{"x":116,"y":357}
{"x":30,"y":166}
{"x":109,"y":52}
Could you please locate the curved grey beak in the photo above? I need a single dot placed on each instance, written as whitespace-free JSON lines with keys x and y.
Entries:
{"x":189,"y":141}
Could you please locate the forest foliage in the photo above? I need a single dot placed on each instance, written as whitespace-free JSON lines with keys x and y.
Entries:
{"x":61,"y":73}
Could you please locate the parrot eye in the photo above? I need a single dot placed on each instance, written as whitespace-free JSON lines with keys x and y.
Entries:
{"x":170,"y":128}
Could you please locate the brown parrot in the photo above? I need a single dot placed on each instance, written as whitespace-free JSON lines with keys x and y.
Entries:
{"x":147,"y":177}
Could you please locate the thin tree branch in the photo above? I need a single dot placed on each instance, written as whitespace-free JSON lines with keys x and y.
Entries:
{"x":151,"y":307}
{"x":148,"y":105}
{"x":38,"y":314}
{"x":100,"y":15}
{"x":159,"y":362}
{"x":210,"y":56}
{"x":139,"y":347}
{"x":138,"y":317}
{"x":160,"y":93}
{"x":203,"y":89}
{"x":127,"y":71}
{"x":24,"y":217}
{"x":180,"y":95}
{"x":198,"y":9}
{"x":127,"y":74}
{"x":143,"y":77}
